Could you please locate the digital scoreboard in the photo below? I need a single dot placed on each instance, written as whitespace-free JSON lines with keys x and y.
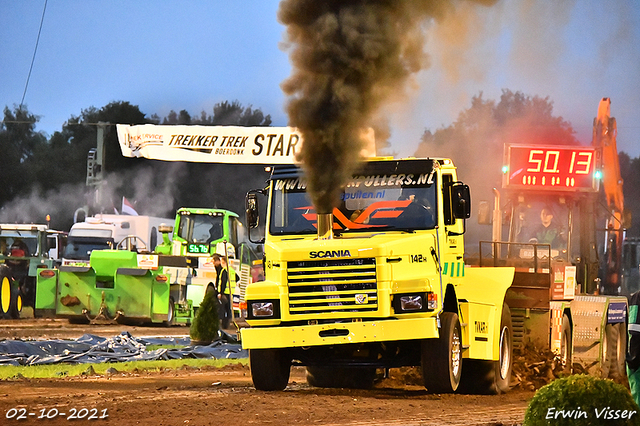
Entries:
{"x":197,"y":248}
{"x":559,"y":168}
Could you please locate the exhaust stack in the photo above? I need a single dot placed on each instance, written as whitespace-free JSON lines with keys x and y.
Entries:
{"x":325,"y":226}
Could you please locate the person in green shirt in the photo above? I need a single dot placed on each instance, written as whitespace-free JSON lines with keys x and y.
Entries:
{"x":549,"y":231}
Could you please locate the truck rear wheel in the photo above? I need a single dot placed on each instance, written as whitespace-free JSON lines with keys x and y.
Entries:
{"x":270,"y":369}
{"x":492,"y":377}
{"x":441,"y":358}
{"x":341,"y":377}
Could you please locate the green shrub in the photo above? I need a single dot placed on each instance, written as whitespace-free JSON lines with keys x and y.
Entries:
{"x":582,"y":400}
{"x":204,"y":328}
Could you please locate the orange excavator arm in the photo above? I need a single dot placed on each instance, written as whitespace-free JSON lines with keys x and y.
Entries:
{"x":604,"y":138}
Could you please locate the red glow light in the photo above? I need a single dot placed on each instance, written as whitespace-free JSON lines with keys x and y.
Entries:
{"x":560,"y":168}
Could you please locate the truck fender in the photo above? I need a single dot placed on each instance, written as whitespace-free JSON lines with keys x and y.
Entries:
{"x":486,"y":285}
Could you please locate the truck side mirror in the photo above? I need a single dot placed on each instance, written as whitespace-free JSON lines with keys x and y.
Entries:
{"x":252,"y":212}
{"x":461,"y":198}
{"x":251,"y":204}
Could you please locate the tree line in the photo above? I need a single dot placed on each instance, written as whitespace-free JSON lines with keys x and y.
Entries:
{"x":47,"y":176}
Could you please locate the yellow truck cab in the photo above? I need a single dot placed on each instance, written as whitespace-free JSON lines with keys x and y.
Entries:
{"x":379,"y":283}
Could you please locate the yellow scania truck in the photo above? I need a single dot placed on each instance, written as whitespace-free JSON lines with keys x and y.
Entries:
{"x":379,"y":283}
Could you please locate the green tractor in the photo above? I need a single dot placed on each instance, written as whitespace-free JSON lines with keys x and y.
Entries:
{"x":24,"y":249}
{"x":165,"y":285}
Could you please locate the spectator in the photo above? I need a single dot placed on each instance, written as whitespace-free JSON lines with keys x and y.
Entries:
{"x":224,"y":290}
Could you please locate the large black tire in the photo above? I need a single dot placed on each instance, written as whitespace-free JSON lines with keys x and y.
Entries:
{"x":492,"y":377}
{"x":171,"y":315}
{"x":6,"y":292}
{"x":607,"y":351}
{"x":15,"y":307}
{"x":341,"y":377}
{"x":270,"y":369}
{"x":28,"y":291}
{"x":621,"y":349}
{"x":566,"y":345}
{"x":441,"y":358}
{"x":614,"y":347}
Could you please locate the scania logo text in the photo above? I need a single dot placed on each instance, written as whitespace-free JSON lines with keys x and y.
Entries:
{"x":329,"y":253}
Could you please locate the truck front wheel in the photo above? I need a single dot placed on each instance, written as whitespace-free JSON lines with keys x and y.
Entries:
{"x":441,"y":358}
{"x":270,"y":368}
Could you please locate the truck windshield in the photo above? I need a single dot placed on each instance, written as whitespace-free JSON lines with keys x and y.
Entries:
{"x":81,"y":247}
{"x":201,"y":228}
{"x":19,"y":243}
{"x":368,"y":203}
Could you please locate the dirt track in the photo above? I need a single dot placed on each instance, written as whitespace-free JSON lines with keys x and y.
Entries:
{"x":226,"y":396}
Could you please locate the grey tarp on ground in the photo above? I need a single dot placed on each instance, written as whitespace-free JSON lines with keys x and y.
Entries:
{"x":123,"y":347}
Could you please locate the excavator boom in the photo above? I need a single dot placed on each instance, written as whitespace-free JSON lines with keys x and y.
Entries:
{"x":604,"y":138}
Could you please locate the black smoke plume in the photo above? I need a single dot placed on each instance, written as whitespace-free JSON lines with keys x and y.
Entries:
{"x":349,"y":57}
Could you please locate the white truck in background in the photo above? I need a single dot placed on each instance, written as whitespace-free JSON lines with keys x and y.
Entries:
{"x":109,"y":231}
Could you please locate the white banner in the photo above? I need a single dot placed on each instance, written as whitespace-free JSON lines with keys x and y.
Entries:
{"x":210,"y":144}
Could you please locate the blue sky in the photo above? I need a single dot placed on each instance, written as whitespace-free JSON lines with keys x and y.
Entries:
{"x":163,"y":55}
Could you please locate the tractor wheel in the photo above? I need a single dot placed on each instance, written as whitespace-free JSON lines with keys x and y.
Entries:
{"x":441,"y":358}
{"x":621,"y":349}
{"x":270,"y":369}
{"x":491,"y":377}
{"x":28,"y":291}
{"x":566,"y":345}
{"x":341,"y":377}
{"x":15,"y":307}
{"x":614,"y":348}
{"x":6,"y":292}
{"x":171,"y":315}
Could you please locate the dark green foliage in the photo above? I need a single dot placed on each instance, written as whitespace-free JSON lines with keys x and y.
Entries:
{"x":582,"y":400}
{"x":205,"y":326}
{"x":55,"y":169}
{"x":48,"y":177}
{"x":630,"y":171}
{"x":486,"y":126}
{"x":18,"y":142}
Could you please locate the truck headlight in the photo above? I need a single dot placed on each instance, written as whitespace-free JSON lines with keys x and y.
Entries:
{"x":414,"y":302}
{"x":263,"y":309}
{"x":411,"y":303}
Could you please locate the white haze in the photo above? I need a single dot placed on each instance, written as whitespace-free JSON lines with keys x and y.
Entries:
{"x":151,"y":193}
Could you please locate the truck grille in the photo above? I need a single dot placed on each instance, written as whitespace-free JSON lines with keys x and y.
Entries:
{"x":343,"y":285}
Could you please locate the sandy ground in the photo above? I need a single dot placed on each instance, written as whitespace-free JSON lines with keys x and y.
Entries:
{"x":226,"y":396}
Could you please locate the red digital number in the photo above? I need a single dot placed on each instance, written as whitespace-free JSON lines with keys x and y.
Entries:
{"x":561,"y":168}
